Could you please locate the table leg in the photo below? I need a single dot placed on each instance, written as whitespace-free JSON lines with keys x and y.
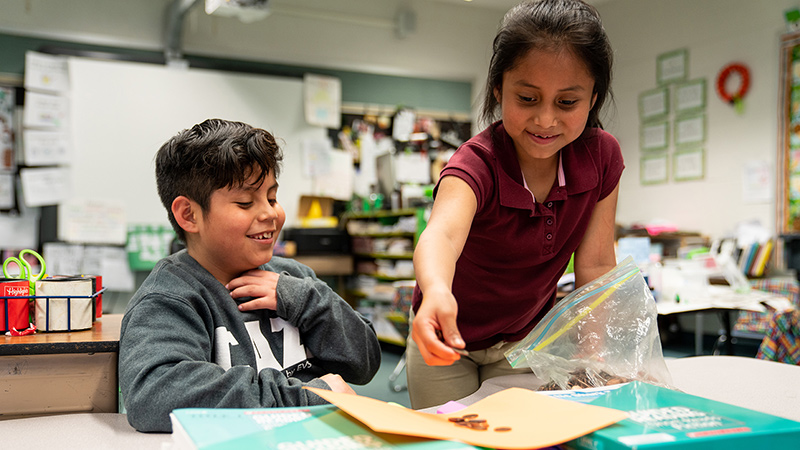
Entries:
{"x":726,"y":322}
{"x":698,"y":334}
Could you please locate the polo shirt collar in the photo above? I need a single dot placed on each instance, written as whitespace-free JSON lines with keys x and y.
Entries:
{"x":578,"y":163}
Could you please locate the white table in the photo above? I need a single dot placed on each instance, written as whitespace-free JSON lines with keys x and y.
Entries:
{"x":725,"y":299}
{"x":79,"y":432}
{"x":765,"y":386}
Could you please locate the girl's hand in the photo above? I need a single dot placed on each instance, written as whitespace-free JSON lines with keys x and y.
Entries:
{"x":259,"y":284}
{"x":337,"y":383}
{"x":435,"y":332}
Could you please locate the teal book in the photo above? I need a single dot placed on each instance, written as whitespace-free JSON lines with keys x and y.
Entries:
{"x":663,"y":418}
{"x":296,"y":428}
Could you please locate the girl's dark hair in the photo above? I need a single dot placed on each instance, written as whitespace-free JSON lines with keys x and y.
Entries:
{"x":212,"y":155}
{"x":550,"y":25}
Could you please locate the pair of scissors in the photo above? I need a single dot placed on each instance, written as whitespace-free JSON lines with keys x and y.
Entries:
{"x":25,"y":269}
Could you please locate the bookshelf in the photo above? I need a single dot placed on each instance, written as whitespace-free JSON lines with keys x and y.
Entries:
{"x":383,"y":244}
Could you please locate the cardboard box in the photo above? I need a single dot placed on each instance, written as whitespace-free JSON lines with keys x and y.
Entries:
{"x":661,"y":418}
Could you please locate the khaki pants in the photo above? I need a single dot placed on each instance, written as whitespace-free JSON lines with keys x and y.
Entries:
{"x":435,"y":385}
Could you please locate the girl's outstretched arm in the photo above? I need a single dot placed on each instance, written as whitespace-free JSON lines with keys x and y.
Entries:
{"x":435,"y":257}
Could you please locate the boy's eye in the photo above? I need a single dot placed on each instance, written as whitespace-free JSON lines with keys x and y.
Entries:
{"x":244,"y":204}
{"x":272,"y":201}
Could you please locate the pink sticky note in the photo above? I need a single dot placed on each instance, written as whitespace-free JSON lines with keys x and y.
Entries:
{"x":450,"y":407}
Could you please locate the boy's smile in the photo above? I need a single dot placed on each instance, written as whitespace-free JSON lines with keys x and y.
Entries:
{"x":239,"y":230}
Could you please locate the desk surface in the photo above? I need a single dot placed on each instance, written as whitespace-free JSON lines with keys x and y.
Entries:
{"x":760,"y":385}
{"x":724,"y":297}
{"x":79,"y":431}
{"x":102,"y":337}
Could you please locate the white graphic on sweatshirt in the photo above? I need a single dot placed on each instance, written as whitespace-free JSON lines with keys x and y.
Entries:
{"x":293,"y":350}
{"x":223,"y":339}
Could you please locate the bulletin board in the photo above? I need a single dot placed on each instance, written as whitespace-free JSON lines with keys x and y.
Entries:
{"x":122,"y":112}
{"x":788,"y":158}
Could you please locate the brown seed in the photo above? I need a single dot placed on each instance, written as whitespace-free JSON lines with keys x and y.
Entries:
{"x":455,"y":419}
{"x":502,"y":429}
{"x":476,"y":420}
{"x":469,"y":416}
{"x":479,"y":426}
{"x":462,"y":424}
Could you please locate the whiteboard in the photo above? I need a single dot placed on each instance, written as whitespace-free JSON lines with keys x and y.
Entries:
{"x":122,"y":112}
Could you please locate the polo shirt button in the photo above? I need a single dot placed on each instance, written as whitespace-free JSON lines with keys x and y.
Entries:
{"x":549,"y":221}
{"x":549,"y":236}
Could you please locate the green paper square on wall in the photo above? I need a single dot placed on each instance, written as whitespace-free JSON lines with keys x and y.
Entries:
{"x":147,"y":244}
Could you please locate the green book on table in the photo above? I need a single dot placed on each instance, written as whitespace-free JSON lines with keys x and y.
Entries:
{"x":295,"y":428}
{"x":663,"y":418}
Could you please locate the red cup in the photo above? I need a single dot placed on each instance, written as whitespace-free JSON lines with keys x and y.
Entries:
{"x":14,"y":312}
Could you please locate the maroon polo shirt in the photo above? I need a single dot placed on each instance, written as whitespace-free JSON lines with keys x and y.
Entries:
{"x":505,"y":279}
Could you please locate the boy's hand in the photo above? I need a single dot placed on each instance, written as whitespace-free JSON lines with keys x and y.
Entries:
{"x":337,"y":384}
{"x":256,"y":283}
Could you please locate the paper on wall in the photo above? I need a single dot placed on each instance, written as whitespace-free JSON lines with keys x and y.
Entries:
{"x":45,"y":186}
{"x":45,"y":111}
{"x":338,"y":181}
{"x":7,"y":191}
{"x":108,"y":261}
{"x":92,"y":221}
{"x":412,"y":168}
{"x":757,"y":182}
{"x":20,"y":231}
{"x":316,"y":160}
{"x":46,"y":148}
{"x":46,"y":72}
{"x":323,"y":98}
{"x":112,"y":264}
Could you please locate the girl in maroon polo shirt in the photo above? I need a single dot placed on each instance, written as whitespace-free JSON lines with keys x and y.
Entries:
{"x":516,"y":201}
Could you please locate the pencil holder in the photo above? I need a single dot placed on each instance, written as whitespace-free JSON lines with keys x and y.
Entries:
{"x":64,"y":304}
{"x":14,"y":304}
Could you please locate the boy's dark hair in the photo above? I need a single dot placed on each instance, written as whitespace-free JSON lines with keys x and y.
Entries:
{"x":212,"y":155}
{"x":551,"y":25}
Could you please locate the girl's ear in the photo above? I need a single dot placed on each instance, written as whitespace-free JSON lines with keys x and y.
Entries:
{"x":497,"y":95}
{"x":185,"y":212}
{"x":594,"y":99}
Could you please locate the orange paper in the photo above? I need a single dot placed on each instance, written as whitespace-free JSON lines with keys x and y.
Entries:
{"x":536,"y":420}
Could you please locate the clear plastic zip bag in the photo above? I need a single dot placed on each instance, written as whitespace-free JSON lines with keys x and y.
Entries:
{"x":603,"y":333}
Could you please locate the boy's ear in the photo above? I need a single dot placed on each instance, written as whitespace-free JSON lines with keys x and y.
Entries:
{"x":185,"y":212}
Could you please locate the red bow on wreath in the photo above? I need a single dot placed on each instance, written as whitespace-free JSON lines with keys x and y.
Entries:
{"x":736,"y":98}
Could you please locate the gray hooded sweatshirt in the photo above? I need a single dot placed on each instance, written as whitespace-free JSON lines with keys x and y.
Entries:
{"x":185,"y":344}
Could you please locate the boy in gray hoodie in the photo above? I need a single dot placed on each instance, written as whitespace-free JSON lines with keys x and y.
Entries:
{"x":223,"y":323}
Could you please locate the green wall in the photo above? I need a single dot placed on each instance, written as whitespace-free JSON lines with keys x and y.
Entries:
{"x":357,"y":87}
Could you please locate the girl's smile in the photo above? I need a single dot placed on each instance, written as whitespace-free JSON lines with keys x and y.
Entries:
{"x":545,"y":100}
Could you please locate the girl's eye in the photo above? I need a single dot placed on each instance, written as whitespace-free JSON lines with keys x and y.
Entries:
{"x":526,"y":99}
{"x":568,"y":102}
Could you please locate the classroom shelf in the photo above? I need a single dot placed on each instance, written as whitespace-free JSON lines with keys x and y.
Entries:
{"x":383,"y":241}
